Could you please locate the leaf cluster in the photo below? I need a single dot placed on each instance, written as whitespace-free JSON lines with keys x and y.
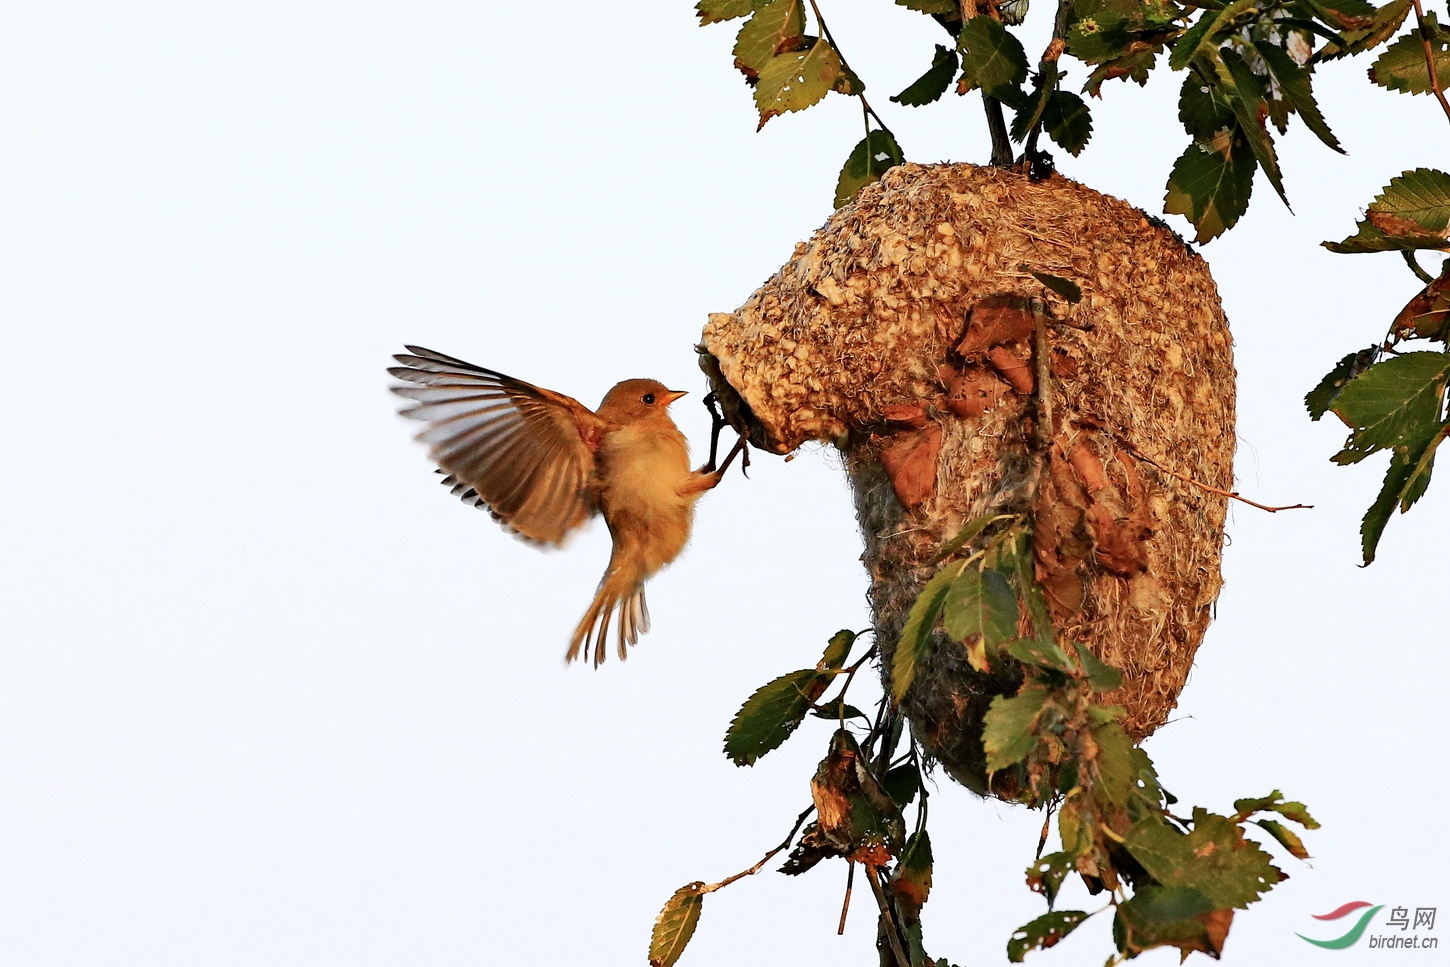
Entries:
{"x":1171,"y":881}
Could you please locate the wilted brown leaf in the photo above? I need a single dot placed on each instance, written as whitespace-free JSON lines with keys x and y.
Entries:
{"x":1426,"y":314}
{"x":994,"y":321}
{"x":909,"y":414}
{"x":910,"y":462}
{"x":1013,"y":367}
{"x":974,"y":392}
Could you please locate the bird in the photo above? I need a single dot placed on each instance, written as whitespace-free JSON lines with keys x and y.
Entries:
{"x":542,"y":464}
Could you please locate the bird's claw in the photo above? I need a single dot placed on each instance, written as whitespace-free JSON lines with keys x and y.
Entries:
{"x":718,"y":422}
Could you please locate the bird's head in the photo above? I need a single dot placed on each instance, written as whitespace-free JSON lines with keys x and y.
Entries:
{"x":635,"y":400}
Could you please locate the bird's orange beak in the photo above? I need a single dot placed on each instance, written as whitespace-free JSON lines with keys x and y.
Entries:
{"x":674,"y":394}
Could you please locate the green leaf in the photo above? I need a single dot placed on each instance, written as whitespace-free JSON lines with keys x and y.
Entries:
{"x":1101,"y":31}
{"x":778,"y":26}
{"x":1207,"y":32}
{"x":796,"y":80}
{"x":902,"y":784}
{"x":1387,"y":21}
{"x":1295,"y":90}
{"x":1045,"y":875}
{"x":992,"y":59}
{"x":1318,"y":400}
{"x":769,"y":716}
{"x":1035,"y":104}
{"x":916,"y":635}
{"x":1214,"y":859}
{"x":715,"y":11}
{"x":1405,"y":483}
{"x":970,"y":530}
{"x":836,"y":710}
{"x":911,"y":882}
{"x":1394,"y":401}
{"x":1413,"y":212}
{"x":1157,"y":916}
{"x":1117,"y":766}
{"x":1101,"y":676}
{"x":1274,"y":802}
{"x":675,"y":925}
{"x":838,"y":649}
{"x":934,"y":83}
{"x":1147,"y":788}
{"x":1027,"y":586}
{"x":848,"y":83}
{"x":981,"y":603}
{"x":1043,"y":932}
{"x":1202,"y":107}
{"x":1066,"y":288}
{"x":1008,"y":735}
{"x":1345,"y":14}
{"x":1401,"y":66}
{"x":1067,"y":121}
{"x":1285,"y":837}
{"x":946,"y":8}
{"x":1211,"y":186}
{"x":1247,"y":95}
{"x":1043,"y":654}
{"x":872,"y":157}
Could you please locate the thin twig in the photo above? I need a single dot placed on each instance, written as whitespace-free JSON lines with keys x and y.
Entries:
{"x":846,"y":903}
{"x":1045,"y":430}
{"x":799,"y":821}
{"x":1234,"y":495}
{"x":1042,"y":837}
{"x":1430,"y":58}
{"x":826,"y":32}
{"x":893,"y":936}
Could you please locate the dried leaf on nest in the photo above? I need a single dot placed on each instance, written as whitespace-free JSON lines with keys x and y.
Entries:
{"x":910,"y":461}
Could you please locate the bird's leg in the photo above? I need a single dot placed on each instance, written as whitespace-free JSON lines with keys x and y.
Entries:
{"x":717,"y":423}
{"x":738,"y":450}
{"x":703,"y":479}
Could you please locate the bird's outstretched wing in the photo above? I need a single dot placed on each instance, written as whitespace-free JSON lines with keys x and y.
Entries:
{"x":524,"y":453}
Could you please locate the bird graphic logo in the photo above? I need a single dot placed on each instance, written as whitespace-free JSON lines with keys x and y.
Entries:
{"x":1351,"y":936}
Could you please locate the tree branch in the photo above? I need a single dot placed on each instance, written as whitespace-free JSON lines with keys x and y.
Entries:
{"x":1002,"y":155}
{"x":799,"y":821}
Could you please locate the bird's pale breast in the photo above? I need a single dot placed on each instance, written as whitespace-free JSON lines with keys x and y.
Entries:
{"x":644,"y":477}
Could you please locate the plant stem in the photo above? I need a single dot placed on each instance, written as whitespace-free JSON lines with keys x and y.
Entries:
{"x":799,"y":821}
{"x":865,"y":104}
{"x":893,"y":936}
{"x":1430,"y":58}
{"x":1002,"y":155}
{"x":1416,"y":268}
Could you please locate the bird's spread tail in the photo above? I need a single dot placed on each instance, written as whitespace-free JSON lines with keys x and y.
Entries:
{"x":617,"y":592}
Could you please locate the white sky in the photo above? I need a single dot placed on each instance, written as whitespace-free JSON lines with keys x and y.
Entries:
{"x":269,"y":695}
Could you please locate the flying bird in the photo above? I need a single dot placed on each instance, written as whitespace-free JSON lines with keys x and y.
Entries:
{"x":543,"y":464}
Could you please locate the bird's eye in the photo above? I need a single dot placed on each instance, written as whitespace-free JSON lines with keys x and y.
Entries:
{"x":649,"y":399}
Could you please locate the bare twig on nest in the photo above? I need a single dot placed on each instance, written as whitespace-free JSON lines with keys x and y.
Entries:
{"x":1209,"y":487}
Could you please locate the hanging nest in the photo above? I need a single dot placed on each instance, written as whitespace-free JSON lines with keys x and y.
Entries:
{"x":904,"y":333}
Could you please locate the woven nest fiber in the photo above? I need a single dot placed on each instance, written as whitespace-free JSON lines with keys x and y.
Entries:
{"x":903,"y":333}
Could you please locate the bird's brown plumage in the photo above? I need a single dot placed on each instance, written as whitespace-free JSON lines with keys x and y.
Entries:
{"x":543,"y":464}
